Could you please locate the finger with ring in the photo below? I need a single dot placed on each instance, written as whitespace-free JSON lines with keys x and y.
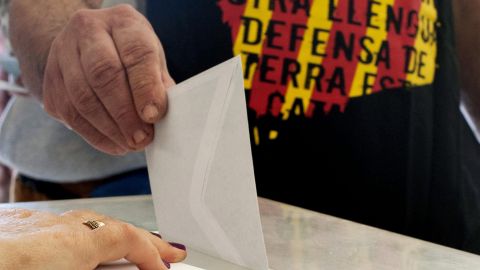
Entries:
{"x":93,"y":224}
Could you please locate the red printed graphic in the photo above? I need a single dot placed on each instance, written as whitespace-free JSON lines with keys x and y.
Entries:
{"x":305,"y":57}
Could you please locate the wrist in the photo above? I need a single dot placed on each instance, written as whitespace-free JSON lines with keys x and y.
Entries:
{"x":34,"y":25}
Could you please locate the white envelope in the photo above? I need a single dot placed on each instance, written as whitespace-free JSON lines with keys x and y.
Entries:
{"x":125,"y":265}
{"x":201,"y":169}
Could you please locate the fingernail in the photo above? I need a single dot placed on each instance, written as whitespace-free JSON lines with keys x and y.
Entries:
{"x":177,"y":245}
{"x":157,"y":235}
{"x":150,"y":112}
{"x":167,"y":264}
{"x":139,"y":136}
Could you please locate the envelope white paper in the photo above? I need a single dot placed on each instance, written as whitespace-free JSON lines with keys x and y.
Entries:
{"x":124,"y":265}
{"x":201,"y":169}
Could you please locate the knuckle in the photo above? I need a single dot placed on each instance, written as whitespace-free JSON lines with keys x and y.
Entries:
{"x":78,"y":213}
{"x":72,"y":213}
{"x":22,"y":213}
{"x":112,"y":241}
{"x":135,"y":53}
{"x":72,"y":117}
{"x":122,"y":112}
{"x":111,"y":133}
{"x":143,"y":85}
{"x":122,"y":22}
{"x":97,"y":140}
{"x":150,"y":252}
{"x":128,"y":231}
{"x":124,"y":16}
{"x":86,"y":103}
{"x":57,"y":44}
{"x":104,"y":72}
{"x":125,"y":10}
{"x":82,"y":19}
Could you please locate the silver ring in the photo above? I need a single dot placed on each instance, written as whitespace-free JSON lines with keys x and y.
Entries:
{"x":93,"y":224}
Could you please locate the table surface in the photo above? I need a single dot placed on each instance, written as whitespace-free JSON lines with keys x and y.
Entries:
{"x":299,"y":239}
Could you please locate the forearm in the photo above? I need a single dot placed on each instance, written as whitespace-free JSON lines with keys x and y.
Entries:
{"x":467,"y":27}
{"x":33,"y":27}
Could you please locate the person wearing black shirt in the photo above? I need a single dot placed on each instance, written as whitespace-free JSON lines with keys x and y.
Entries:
{"x":353,"y":105}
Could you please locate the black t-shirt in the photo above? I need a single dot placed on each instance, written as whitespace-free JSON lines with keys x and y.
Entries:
{"x":353,"y":105}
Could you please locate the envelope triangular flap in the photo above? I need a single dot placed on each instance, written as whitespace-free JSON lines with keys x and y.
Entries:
{"x":201,"y":169}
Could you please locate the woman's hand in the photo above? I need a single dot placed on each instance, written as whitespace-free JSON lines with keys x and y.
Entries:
{"x":40,"y":240}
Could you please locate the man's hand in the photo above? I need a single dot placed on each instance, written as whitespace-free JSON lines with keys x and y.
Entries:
{"x":106,"y":78}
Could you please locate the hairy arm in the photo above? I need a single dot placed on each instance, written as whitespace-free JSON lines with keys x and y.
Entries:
{"x":102,"y":72}
{"x":467,"y":30}
{"x":33,"y":26}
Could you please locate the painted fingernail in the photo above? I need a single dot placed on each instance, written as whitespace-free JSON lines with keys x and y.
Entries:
{"x":177,"y":245}
{"x":139,"y":136}
{"x":167,"y":264}
{"x":150,"y":112}
{"x":157,"y":235}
